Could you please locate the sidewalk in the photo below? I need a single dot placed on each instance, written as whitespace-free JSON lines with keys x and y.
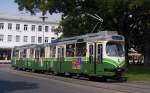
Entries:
{"x":5,"y":61}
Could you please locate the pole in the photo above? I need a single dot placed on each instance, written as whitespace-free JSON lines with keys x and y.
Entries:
{"x":43,"y":20}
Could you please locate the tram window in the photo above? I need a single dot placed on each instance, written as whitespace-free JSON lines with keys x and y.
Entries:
{"x":70,"y":50}
{"x":99,"y":50}
{"x":114,"y":49}
{"x":37,"y":52}
{"x":16,"y":53}
{"x":91,"y":49}
{"x":31,"y":52}
{"x":99,"y":55}
{"x":52,"y":51}
{"x":23,"y":53}
{"x":59,"y":52}
{"x":62,"y":53}
{"x":81,"y":49}
{"x":91,"y":53}
{"x":42,"y":52}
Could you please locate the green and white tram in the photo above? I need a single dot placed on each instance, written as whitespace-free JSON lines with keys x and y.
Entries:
{"x":98,"y":54}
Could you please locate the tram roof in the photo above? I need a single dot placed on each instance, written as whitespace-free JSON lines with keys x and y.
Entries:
{"x":48,"y":44}
{"x":102,"y":35}
{"x":25,"y":46}
{"x":34,"y":46}
{"x":92,"y":37}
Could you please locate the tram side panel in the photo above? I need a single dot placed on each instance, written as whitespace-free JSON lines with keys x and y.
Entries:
{"x":77,"y":58}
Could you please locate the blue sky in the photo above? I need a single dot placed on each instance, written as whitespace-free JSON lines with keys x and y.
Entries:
{"x":11,"y":8}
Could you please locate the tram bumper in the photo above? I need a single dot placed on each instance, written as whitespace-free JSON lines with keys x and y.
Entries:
{"x":116,"y":71}
{"x":119,"y":70}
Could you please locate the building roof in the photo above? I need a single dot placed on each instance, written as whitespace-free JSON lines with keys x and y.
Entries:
{"x":27,"y":19}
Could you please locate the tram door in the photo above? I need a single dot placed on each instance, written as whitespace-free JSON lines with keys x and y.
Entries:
{"x":95,"y":55}
{"x":98,"y":56}
{"x":91,"y":52}
{"x":60,"y":55}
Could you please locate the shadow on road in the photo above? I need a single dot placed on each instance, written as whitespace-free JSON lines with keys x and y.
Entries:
{"x":10,"y":86}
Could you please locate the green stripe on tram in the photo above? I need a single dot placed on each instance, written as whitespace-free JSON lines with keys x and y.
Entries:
{"x":122,"y":63}
{"x":71,"y":58}
{"x":110,"y":61}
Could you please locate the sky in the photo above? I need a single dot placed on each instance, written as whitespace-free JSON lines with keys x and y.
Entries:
{"x":11,"y":8}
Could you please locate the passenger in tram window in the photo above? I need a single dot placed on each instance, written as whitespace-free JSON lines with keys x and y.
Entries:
{"x":70,"y":50}
{"x":79,"y":53}
{"x":81,"y":49}
{"x":67,"y":53}
{"x":84,"y":51}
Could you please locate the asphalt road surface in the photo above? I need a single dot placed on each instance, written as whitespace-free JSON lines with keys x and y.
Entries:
{"x":13,"y":81}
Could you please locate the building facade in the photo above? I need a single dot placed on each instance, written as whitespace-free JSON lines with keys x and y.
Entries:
{"x":21,"y":30}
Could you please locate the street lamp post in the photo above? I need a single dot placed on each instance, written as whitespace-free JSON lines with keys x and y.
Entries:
{"x":43,"y":20}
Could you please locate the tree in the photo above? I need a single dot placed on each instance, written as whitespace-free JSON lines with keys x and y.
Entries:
{"x":129,"y":17}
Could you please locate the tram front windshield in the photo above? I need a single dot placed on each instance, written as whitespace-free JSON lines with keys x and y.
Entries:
{"x":115,"y":49}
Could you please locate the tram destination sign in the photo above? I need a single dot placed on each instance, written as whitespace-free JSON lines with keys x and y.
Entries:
{"x":117,"y":38}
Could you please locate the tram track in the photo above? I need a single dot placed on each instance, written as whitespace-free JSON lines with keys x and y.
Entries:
{"x":128,"y":87}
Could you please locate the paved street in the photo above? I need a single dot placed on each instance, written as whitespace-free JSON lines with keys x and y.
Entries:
{"x":13,"y":81}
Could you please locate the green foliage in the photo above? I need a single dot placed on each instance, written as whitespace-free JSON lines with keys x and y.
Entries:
{"x":120,"y":15}
{"x":58,"y":30}
{"x":128,"y":17}
{"x":114,"y":12}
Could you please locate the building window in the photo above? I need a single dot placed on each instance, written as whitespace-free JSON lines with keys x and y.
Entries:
{"x":1,"y":25}
{"x":1,"y":37}
{"x":17,"y":26}
{"x":46,"y":28}
{"x":52,"y":28}
{"x":32,"y":38}
{"x":25,"y":27}
{"x":17,"y":38}
{"x":9,"y":38}
{"x":39,"y":39}
{"x":25,"y":39}
{"x":33,"y":28}
{"x":40,"y":28}
{"x":9,"y":26}
{"x":46,"y":39}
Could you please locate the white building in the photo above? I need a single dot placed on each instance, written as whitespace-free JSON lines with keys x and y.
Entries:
{"x":21,"y":30}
